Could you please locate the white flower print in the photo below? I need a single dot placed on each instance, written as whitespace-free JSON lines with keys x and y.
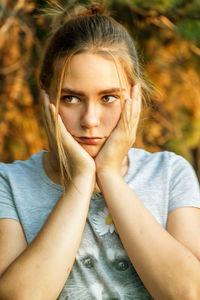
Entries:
{"x":103,"y":222}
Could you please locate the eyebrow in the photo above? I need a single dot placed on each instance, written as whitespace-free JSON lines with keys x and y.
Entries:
{"x":103,"y":92}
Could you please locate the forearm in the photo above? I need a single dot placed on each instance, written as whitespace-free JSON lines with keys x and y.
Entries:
{"x":167,"y":269}
{"x":42,"y":269}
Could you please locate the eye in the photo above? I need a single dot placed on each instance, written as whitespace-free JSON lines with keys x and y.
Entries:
{"x":122,"y":265}
{"x":69,"y":99}
{"x":109,"y":99}
{"x":88,"y":262}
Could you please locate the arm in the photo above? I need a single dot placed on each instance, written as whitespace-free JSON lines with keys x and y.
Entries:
{"x":12,"y":241}
{"x":165,"y":263}
{"x":41,"y":270}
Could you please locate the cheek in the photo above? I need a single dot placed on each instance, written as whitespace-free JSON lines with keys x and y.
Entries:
{"x":69,"y":119}
{"x":111,"y":118}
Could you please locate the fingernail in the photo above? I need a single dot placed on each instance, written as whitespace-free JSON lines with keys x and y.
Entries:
{"x":44,"y":94}
{"x":52,"y":107}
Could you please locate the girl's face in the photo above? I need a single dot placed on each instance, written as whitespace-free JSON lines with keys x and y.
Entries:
{"x":90,"y":100}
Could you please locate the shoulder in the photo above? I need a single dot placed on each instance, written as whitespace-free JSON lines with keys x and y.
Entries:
{"x":166,"y":165}
{"x":19,"y":167}
{"x":167,"y":174}
{"x":165,"y":158}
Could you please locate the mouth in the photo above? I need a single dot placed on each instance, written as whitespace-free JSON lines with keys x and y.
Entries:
{"x":89,"y":140}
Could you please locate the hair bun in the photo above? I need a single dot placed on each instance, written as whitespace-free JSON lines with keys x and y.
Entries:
{"x":61,"y":14}
{"x":96,"y":8}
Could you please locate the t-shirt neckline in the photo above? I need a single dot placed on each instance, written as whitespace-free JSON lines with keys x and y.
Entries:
{"x":59,"y":187}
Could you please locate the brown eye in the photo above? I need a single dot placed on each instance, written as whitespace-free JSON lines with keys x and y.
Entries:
{"x":69,"y":99}
{"x":109,"y":99}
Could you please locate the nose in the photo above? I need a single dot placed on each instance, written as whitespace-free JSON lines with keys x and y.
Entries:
{"x":90,"y":116}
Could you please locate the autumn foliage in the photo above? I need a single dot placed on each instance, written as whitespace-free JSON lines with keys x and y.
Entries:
{"x":167,"y":35}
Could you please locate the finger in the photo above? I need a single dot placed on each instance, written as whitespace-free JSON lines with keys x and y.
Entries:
{"x":67,"y":138}
{"x":131,"y":109}
{"x":127,"y":110}
{"x":136,"y":104}
{"x":136,"y":92}
{"x":46,"y":103}
{"x":49,"y":114}
{"x":45,"y":99}
{"x":132,"y":114}
{"x":60,"y":121}
{"x":45,"y":96}
{"x":52,"y":111}
{"x":45,"y":108}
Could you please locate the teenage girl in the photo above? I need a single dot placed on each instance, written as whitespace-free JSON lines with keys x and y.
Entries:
{"x":93,"y":217}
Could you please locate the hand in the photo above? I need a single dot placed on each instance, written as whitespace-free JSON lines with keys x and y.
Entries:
{"x":77,"y":158}
{"x":122,"y":138}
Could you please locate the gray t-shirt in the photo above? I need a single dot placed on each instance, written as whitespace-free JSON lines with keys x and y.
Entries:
{"x":163,"y":182}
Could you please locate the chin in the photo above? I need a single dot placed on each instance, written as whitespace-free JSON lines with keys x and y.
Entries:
{"x":92,"y":150}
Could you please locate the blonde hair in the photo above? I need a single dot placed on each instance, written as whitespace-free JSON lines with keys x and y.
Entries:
{"x":76,"y":29}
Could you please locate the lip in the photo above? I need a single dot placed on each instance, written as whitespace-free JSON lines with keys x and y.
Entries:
{"x":88,"y":140}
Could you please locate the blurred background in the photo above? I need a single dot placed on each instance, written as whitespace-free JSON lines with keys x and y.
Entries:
{"x":167,"y":35}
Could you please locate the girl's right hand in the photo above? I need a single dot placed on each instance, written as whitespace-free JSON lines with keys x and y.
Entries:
{"x":80,"y":161}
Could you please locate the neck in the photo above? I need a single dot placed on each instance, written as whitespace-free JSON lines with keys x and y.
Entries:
{"x":124,"y":169}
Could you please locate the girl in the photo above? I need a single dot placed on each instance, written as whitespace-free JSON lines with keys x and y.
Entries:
{"x":94,"y":218}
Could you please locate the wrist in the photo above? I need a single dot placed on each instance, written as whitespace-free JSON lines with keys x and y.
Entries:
{"x":79,"y":171}
{"x":87,"y":175}
{"x":107,"y":179}
{"x":84,"y":181}
{"x":113,"y":169}
{"x":107,"y":173}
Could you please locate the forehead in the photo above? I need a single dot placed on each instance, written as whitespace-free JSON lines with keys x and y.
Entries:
{"x":94,"y":70}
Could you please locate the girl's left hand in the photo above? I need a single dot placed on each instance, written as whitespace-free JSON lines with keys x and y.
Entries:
{"x":123,"y":136}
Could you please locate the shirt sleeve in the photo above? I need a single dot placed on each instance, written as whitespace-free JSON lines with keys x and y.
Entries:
{"x":7,"y":206}
{"x":184,"y":186}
